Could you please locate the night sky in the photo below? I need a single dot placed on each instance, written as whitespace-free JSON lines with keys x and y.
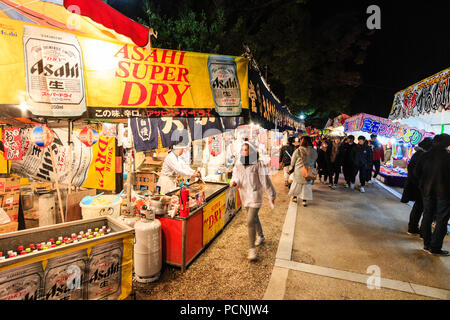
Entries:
{"x":413,"y":43}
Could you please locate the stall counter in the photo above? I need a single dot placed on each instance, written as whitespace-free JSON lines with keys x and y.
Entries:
{"x":185,"y":238}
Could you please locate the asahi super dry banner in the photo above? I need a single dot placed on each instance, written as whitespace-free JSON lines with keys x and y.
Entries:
{"x":102,"y":171}
{"x":56,"y":73}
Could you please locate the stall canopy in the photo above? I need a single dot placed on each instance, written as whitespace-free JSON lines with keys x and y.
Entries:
{"x":336,"y":125}
{"x":55,"y":63}
{"x":369,"y":124}
{"x":266,"y":109}
{"x":425,"y":104}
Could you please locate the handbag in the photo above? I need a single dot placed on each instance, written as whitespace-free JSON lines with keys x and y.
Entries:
{"x":309,"y":173}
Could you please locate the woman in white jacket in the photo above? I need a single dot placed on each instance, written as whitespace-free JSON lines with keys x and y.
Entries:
{"x":251,"y":176}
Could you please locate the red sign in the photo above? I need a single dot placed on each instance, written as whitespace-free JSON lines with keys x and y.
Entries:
{"x":12,"y":144}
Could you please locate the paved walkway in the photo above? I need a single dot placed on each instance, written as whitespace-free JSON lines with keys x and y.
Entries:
{"x":348,"y":245}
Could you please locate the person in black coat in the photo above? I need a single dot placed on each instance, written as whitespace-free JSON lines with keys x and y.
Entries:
{"x":322,"y":164}
{"x":361,"y":157}
{"x":433,"y":174}
{"x":286,"y":153}
{"x":334,"y":160}
{"x":411,"y":191}
{"x":347,"y":162}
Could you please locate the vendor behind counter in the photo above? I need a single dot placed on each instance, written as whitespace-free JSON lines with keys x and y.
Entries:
{"x":174,"y":165}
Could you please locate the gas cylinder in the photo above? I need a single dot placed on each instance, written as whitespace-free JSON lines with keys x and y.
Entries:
{"x":129,"y":219}
{"x":147,"y":247}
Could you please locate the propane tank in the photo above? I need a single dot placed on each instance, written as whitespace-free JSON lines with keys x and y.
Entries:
{"x":147,"y":247}
{"x":129,"y":219}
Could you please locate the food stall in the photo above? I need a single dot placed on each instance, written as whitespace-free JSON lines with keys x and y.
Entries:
{"x":62,"y":132}
{"x":397,"y":139}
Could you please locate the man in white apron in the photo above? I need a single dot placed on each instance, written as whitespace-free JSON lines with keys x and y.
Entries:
{"x":173,"y":166}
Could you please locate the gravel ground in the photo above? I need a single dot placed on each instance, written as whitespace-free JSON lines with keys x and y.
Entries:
{"x":222,"y":271}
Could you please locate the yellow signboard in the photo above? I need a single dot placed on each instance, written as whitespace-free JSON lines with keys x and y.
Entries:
{"x":43,"y":68}
{"x":102,"y":170}
{"x":214,"y":217}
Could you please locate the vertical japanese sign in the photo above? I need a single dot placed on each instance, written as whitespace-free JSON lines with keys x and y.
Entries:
{"x":214,"y":217}
{"x":102,"y":171}
{"x":54,"y":73}
{"x":12,"y":144}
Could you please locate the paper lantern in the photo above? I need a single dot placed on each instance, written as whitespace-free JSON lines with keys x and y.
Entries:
{"x":42,"y":136}
{"x":89,"y":136}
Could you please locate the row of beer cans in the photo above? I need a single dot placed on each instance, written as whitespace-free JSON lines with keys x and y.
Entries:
{"x":70,"y":276}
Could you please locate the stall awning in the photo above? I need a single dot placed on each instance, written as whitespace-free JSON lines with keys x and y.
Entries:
{"x":266,"y":109}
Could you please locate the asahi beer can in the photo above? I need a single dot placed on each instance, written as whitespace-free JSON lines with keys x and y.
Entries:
{"x":105,"y":271}
{"x":225,"y":85}
{"x":22,"y":283}
{"x":65,"y":277}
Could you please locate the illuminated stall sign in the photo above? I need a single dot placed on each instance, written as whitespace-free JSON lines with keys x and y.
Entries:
{"x":429,"y":95}
{"x":386,"y":128}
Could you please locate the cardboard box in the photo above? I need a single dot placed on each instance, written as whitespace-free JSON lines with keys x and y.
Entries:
{"x":146,"y":181}
{"x":9,"y":184}
{"x":9,"y":227}
{"x":10,"y":199}
{"x":31,"y":223}
{"x":12,"y":212}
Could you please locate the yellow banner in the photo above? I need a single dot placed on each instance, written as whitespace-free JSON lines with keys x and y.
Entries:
{"x":102,"y":170}
{"x":40,"y":66}
{"x":214,"y":217}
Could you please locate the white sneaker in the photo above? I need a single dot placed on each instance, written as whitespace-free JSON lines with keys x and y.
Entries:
{"x":362,"y":189}
{"x":259,"y":240}
{"x":346,"y":186}
{"x":251,"y":254}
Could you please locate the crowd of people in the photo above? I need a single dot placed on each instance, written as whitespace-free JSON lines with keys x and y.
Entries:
{"x":427,"y":183}
{"x":302,"y":159}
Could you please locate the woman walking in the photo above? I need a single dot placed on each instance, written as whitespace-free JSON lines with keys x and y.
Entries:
{"x":251,"y":176}
{"x":304,"y":156}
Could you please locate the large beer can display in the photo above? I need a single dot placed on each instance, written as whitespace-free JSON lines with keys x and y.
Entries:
{"x":97,"y":268}
{"x":147,"y":249}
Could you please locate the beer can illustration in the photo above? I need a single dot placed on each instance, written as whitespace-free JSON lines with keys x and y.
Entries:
{"x":105,"y":271}
{"x":22,"y":283}
{"x":65,"y":277}
{"x":225,"y":85}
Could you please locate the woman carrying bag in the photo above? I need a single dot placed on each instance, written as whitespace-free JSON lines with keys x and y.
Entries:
{"x":303,"y":166}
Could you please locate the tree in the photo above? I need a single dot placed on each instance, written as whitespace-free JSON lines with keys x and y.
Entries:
{"x":313,"y":55}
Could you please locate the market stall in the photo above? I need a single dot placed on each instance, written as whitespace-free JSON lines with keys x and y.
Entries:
{"x":397,"y":140}
{"x":71,"y":145}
